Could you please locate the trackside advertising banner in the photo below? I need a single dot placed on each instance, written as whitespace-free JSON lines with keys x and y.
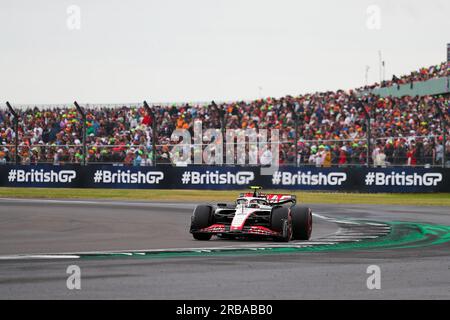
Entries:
{"x":227,"y":178}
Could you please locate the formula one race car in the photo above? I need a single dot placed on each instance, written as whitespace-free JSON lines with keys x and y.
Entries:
{"x":274,"y":216}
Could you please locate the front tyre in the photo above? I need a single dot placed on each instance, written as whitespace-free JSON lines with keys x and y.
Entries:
{"x":301,"y":223}
{"x":202,"y":217}
{"x":202,"y":236}
{"x":280,"y":222}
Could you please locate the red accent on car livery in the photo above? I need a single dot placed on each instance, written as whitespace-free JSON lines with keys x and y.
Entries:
{"x":215,"y":228}
{"x":261,"y":231}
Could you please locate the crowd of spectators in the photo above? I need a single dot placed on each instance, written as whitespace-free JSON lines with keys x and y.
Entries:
{"x":114,"y":135}
{"x":332,"y":130}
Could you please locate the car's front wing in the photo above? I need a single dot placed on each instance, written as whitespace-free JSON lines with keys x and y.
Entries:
{"x":246,"y":230}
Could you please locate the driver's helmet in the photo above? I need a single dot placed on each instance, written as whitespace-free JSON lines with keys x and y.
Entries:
{"x":256,"y":203}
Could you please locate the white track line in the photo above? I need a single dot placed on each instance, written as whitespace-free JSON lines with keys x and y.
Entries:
{"x":38,"y":256}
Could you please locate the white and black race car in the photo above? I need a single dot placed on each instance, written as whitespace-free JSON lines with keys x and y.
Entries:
{"x":275,"y":216}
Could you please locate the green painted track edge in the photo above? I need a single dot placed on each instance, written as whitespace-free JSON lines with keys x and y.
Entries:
{"x":403,"y":235}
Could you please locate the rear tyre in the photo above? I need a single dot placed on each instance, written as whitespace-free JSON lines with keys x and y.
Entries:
{"x":280,"y":222}
{"x":301,"y":223}
{"x":203,"y":217}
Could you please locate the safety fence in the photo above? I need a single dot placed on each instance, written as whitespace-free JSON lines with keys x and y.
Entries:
{"x":385,"y":152}
{"x":355,"y":179}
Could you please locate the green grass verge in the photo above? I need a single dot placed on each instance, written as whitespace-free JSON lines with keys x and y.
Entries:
{"x":418,"y":199}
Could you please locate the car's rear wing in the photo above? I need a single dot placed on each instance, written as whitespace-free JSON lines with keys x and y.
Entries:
{"x":273,"y":198}
{"x":281,"y":198}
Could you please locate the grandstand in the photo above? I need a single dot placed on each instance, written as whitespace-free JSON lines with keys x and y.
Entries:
{"x":320,"y":129}
{"x":422,"y":75}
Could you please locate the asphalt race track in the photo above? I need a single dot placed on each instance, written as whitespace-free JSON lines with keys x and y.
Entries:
{"x":142,"y":250}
